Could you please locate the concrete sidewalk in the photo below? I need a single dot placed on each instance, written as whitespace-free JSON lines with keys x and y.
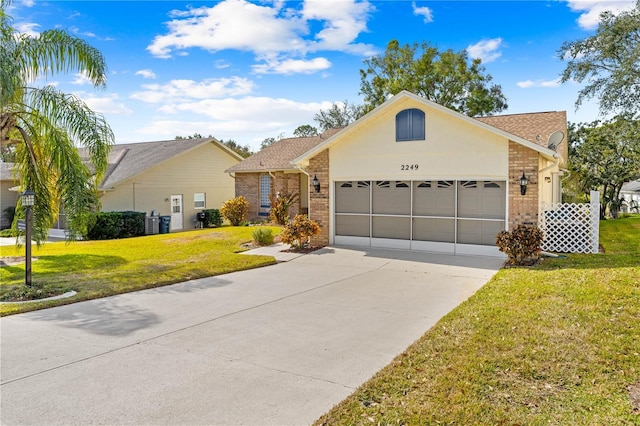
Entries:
{"x":278,"y":345}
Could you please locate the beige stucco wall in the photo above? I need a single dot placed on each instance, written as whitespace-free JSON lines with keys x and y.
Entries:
{"x":201,"y":170}
{"x":453,"y":149}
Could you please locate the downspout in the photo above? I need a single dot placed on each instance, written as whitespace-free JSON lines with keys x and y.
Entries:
{"x":308,"y":192}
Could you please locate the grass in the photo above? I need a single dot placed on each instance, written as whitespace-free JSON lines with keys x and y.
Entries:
{"x":558,"y":344}
{"x":103,"y":268}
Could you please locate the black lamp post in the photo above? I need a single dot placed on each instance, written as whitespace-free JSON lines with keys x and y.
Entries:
{"x":28,"y":200}
{"x":316,"y":183}
{"x":523,"y":184}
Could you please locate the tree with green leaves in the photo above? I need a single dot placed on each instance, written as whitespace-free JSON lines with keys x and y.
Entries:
{"x":608,"y":61}
{"x":341,"y":114}
{"x":46,"y":125}
{"x":305,"y":131}
{"x":270,"y":141}
{"x":603,"y":156}
{"x":243,"y":150}
{"x":445,"y":77}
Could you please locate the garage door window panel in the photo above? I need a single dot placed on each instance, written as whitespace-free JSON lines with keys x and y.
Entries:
{"x":353,"y":226}
{"x":481,"y":199}
{"x":430,"y":229}
{"x":392,"y":197}
{"x":434,"y":198}
{"x":398,"y":228}
{"x":352,"y":197}
{"x":479,"y":232}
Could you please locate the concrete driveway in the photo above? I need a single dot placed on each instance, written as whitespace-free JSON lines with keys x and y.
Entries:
{"x":278,"y":345}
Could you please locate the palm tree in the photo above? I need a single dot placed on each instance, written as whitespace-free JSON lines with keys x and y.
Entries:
{"x":46,"y":126}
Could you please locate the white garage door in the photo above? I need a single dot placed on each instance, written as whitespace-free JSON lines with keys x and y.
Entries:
{"x":435,"y":215}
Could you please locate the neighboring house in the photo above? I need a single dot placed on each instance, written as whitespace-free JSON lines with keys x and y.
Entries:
{"x":9,"y":194}
{"x":630,"y":193}
{"x":412,"y":174}
{"x":177,"y":178}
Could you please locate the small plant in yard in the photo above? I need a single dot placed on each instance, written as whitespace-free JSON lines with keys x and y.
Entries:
{"x":522,"y":245}
{"x":235,"y":210}
{"x":263,"y":236}
{"x":280,"y":205}
{"x":298,"y":232}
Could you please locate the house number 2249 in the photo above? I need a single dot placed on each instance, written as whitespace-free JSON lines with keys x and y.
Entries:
{"x":408,"y":167}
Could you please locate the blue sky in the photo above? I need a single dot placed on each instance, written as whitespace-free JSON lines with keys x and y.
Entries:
{"x":248,"y":70}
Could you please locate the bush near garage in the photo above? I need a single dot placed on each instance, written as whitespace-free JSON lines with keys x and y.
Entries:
{"x":522,"y":245}
{"x":297,"y":232}
{"x":235,"y":210}
{"x":263,"y":236}
{"x":212,"y":218}
{"x":113,"y":225}
{"x":280,"y":205}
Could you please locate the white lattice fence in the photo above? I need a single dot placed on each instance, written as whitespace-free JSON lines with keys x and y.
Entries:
{"x":571,"y":228}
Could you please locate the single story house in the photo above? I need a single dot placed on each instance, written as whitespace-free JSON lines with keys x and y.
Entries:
{"x":412,"y":174}
{"x":9,"y":194}
{"x":630,"y":193}
{"x":176,"y":177}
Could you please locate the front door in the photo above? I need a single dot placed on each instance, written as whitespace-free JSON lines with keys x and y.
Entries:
{"x":176,"y":212}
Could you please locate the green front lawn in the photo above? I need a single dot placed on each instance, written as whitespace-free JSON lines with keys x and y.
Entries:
{"x":556,"y":344}
{"x":103,"y":268}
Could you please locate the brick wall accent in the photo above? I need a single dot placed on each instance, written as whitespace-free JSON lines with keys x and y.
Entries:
{"x":319,"y":201}
{"x":523,"y":209}
{"x":287,"y":183}
{"x":248,"y":185}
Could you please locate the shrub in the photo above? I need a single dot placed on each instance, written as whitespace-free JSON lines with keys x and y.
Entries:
{"x":9,"y":213}
{"x":298,"y":232}
{"x":112,"y":225}
{"x":263,"y":236}
{"x":212,"y":218}
{"x":235,"y":210}
{"x":520,"y":245}
{"x":280,"y":207}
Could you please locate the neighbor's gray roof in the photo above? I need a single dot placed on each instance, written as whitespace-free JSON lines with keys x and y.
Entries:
{"x":279,"y":155}
{"x":633,"y":186}
{"x":129,"y":160}
{"x":8,"y":171}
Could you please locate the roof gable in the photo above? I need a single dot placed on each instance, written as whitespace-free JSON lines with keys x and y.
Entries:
{"x":405,"y":96}
{"x":129,"y":160}
{"x":279,"y":155}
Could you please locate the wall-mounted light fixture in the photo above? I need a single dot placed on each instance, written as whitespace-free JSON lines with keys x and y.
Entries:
{"x":316,"y":183}
{"x":523,"y":184}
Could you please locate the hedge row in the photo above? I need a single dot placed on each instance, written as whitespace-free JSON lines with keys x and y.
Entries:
{"x":112,"y":225}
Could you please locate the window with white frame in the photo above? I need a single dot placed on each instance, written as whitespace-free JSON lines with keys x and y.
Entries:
{"x":199,"y":200}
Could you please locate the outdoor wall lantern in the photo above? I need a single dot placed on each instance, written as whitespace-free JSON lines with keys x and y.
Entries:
{"x":316,"y":183}
{"x":523,"y":184}
{"x":28,"y":200}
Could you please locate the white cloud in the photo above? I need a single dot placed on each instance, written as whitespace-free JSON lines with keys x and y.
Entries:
{"x":28,"y":3}
{"x":146,"y":74}
{"x":487,"y":50}
{"x":223,"y":117}
{"x":104,"y":104}
{"x":80,"y":79}
{"x":28,"y":29}
{"x":538,"y":83}
{"x":292,"y":66}
{"x":269,"y":31}
{"x":177,"y":90}
{"x":423,"y":11}
{"x":591,"y":9}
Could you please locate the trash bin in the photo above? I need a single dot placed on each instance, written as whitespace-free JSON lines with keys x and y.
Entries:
{"x":165,"y":224}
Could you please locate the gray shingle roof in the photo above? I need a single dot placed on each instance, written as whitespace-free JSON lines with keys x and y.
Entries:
{"x":129,"y":160}
{"x":633,"y":186}
{"x":279,"y":155}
